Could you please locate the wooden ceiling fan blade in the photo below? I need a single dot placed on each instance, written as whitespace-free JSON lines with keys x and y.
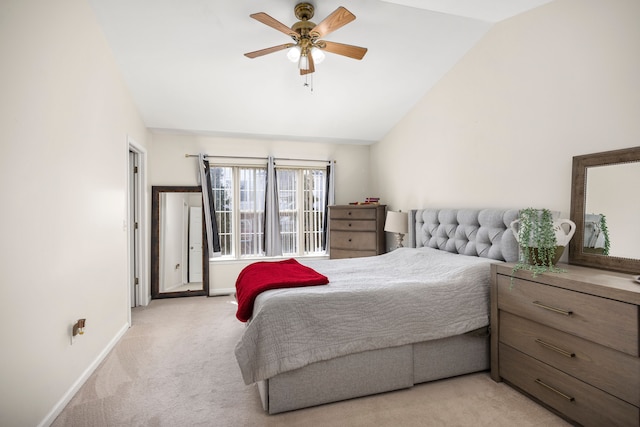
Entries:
{"x":268,"y":50}
{"x":355,"y":52}
{"x":274,"y":23}
{"x":338,"y":19}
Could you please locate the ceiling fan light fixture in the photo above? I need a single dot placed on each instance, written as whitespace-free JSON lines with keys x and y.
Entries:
{"x":303,"y":64}
{"x":294,"y":54}
{"x":308,"y":47}
{"x":318,"y":55}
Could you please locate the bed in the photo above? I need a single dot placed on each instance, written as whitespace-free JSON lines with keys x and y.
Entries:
{"x":382,"y":323}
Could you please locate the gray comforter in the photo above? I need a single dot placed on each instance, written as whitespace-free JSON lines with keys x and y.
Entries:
{"x":402,"y":297}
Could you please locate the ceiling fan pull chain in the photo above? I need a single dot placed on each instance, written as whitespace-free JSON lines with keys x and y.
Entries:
{"x":308,"y":81}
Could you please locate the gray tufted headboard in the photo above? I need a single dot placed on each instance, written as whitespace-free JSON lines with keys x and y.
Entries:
{"x":477,"y":232}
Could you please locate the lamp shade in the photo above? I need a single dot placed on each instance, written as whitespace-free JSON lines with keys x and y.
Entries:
{"x":397,"y":222}
{"x":318,"y":55}
{"x":303,"y":63}
{"x":294,"y":54}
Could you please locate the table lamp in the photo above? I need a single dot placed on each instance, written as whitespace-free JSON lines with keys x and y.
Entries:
{"x":398,"y":223}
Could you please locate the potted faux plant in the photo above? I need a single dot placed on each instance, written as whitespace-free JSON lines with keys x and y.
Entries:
{"x":542,"y":240}
{"x":605,"y":232}
{"x":596,"y":234}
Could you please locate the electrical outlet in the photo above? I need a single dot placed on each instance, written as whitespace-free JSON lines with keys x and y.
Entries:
{"x":77,"y":329}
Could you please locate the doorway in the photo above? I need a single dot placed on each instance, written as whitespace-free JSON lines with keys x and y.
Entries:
{"x":136,"y":226}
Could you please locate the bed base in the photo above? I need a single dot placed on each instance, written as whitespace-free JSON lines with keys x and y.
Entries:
{"x":478,"y":232}
{"x":374,"y":371}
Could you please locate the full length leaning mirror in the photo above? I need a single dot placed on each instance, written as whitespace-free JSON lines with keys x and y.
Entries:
{"x":179,"y":255}
{"x":605,"y":207}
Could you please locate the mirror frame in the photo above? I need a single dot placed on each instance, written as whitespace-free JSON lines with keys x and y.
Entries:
{"x":155,"y":246}
{"x":578,"y":189}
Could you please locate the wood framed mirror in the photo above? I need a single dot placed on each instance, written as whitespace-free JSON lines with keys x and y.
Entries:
{"x":606,"y":209}
{"x":179,"y":255}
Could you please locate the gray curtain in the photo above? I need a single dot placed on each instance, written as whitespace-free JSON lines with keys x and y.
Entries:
{"x":330,"y":199}
{"x":272,"y":239}
{"x":211,"y":225}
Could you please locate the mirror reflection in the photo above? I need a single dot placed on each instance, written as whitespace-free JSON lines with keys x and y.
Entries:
{"x":611,"y":210}
{"x":179,"y":262}
{"x":180,"y":242}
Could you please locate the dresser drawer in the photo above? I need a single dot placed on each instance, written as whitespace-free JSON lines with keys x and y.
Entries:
{"x":604,"y":321}
{"x":579,"y":401}
{"x":607,"y":369}
{"x":354,"y":213}
{"x":353,"y":225}
{"x":361,"y":240}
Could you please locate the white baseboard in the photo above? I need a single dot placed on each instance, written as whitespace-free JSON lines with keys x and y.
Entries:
{"x":221,"y":291}
{"x":66,"y":398}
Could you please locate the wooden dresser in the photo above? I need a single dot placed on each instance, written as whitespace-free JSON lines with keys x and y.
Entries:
{"x":569,"y":340}
{"x":356,"y":230}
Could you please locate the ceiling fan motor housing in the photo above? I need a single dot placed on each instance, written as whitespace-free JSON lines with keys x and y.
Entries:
{"x":304,"y":11}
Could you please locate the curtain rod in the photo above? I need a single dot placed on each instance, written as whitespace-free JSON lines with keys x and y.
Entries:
{"x":257,"y":158}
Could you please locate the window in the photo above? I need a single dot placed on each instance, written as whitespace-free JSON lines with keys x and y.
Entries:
{"x":251,"y":210}
{"x":239,"y":196}
{"x":222,"y":186}
{"x":288,"y":206}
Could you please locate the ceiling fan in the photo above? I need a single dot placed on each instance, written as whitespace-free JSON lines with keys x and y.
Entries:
{"x":308,"y":48}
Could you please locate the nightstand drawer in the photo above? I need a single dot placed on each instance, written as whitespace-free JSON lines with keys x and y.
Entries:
{"x":354,"y":213}
{"x":579,"y":401}
{"x":604,"y":321}
{"x":353,"y":225}
{"x":607,"y":369}
{"x":353,"y":240}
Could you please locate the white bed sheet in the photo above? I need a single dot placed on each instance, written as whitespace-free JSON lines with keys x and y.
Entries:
{"x":402,"y":297}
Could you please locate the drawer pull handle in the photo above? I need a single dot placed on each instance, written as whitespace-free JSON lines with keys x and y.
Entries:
{"x":556,"y":349}
{"x":349,"y":239}
{"x":554,"y":309}
{"x":555,"y":390}
{"x":349,"y":224}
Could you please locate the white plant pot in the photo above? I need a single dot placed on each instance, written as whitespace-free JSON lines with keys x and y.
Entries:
{"x":564,"y":230}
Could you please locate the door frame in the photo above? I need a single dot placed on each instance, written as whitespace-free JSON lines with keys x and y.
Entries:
{"x":139,"y":247}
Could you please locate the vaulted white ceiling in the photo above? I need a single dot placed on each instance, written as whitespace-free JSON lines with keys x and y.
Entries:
{"x":184,"y":65}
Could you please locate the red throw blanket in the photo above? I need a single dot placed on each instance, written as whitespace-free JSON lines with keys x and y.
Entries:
{"x":264,"y":275}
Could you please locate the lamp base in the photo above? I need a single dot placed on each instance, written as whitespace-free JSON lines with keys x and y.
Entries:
{"x":399,"y":238}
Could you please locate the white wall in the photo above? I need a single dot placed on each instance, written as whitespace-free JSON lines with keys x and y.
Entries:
{"x":65,"y":115}
{"x":501,"y":128}
{"x":168,"y":166}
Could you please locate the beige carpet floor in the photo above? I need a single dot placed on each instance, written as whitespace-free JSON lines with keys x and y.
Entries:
{"x":175,"y":367}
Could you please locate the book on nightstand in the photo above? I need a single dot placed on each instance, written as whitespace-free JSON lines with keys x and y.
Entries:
{"x":368,"y":201}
